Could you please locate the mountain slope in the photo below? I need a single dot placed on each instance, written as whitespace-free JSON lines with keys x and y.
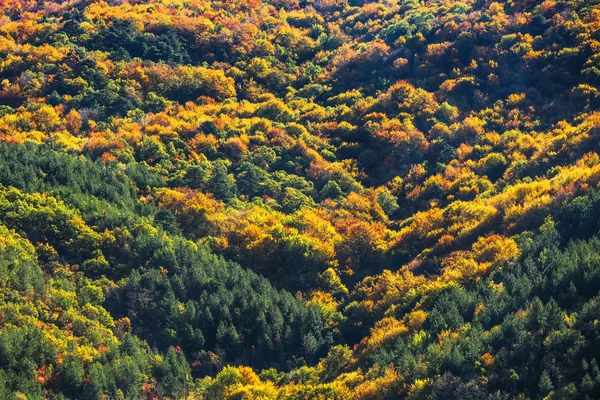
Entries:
{"x":299,"y":199}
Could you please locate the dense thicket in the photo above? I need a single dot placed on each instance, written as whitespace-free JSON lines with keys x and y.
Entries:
{"x":244,"y":317}
{"x":304,"y":199}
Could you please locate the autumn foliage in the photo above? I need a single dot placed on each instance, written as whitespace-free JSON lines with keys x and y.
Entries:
{"x":304,"y":199}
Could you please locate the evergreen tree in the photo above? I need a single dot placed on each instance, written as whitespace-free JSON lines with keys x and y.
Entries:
{"x":221,"y":184}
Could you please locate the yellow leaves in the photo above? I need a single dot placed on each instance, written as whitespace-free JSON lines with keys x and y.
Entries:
{"x":404,"y":97}
{"x":495,"y":8}
{"x":548,"y":5}
{"x":257,"y":233}
{"x":401,"y":64}
{"x":447,"y":336}
{"x":63,"y":299}
{"x":427,"y":237}
{"x":262,"y":391}
{"x":100,"y":143}
{"x":22,"y":137}
{"x":85,"y":331}
{"x":437,"y":50}
{"x":330,"y":280}
{"x":585,"y":92}
{"x":248,"y":376}
{"x":237,"y":383}
{"x":522,"y":198}
{"x":415,"y":319}
{"x":12,"y":243}
{"x":495,"y":249}
{"x":425,"y":224}
{"x":497,"y":288}
{"x":259,"y":68}
{"x":382,"y":335}
{"x":86,"y":353}
{"x":77,"y":84}
{"x":253,"y":236}
{"x":26,"y":124}
{"x":343,"y":56}
{"x":263,"y":48}
{"x":487,"y":253}
{"x":235,"y":147}
{"x":315,"y":222}
{"x":199,"y":214}
{"x":276,"y":110}
{"x":327,"y":305}
{"x":460,"y":219}
{"x":202,"y":143}
{"x":361,"y":240}
{"x":520,"y":142}
{"x":181,"y":200}
{"x":419,"y":389}
{"x":358,"y":204}
{"x":379,"y":388}
{"x":465,"y":217}
{"x":464,"y":151}
{"x":470,"y":128}
{"x":389,"y":287}
{"x":459,"y":267}
{"x":515,"y":99}
{"x":479,"y":309}
{"x":67,"y":141}
{"x":570,"y":319}
{"x":122,"y":326}
{"x":131,"y":133}
{"x":196,"y":81}
{"x":46,"y":54}
{"x":400,"y":135}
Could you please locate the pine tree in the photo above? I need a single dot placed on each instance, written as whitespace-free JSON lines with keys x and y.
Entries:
{"x":545,"y":384}
{"x":94,"y":387}
{"x":175,"y":373}
{"x":221,"y":184}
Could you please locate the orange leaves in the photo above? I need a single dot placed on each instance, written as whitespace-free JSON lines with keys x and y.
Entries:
{"x":199,"y":214}
{"x":202,"y":143}
{"x":401,"y":136}
{"x":100,"y":143}
{"x":73,"y":122}
{"x":361,"y":241}
{"x":41,"y":375}
{"x":347,"y":54}
{"x":404,"y":97}
{"x":487,"y":360}
{"x":235,"y":147}
{"x":384,"y":386}
{"x":122,"y":326}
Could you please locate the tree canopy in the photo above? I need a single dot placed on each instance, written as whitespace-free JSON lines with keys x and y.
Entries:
{"x":299,"y":199}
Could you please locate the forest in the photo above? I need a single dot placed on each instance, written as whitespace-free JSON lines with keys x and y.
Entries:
{"x":299,"y":199}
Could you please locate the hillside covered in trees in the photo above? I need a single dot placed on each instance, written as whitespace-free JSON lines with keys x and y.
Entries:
{"x":299,"y":199}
